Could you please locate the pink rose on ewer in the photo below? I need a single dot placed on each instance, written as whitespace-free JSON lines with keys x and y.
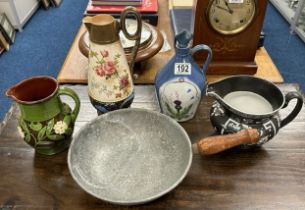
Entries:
{"x":100,"y":70}
{"x":104,"y":53}
{"x":124,"y":82}
{"x":107,"y":68}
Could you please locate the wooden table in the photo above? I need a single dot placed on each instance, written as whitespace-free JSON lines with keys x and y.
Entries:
{"x":74,"y":69}
{"x":271,"y":177}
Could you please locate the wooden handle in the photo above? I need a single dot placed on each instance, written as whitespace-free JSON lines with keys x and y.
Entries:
{"x":215,"y":144}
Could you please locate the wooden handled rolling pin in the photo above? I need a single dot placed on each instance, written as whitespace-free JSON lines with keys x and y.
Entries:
{"x":215,"y":144}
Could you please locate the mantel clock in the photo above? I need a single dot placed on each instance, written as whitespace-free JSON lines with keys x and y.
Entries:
{"x":232,"y":29}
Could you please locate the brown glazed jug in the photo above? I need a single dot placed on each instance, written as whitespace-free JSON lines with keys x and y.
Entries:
{"x":45,"y":122}
{"x":110,"y":85}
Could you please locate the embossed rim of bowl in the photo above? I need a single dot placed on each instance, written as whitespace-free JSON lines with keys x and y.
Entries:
{"x":174,"y":124}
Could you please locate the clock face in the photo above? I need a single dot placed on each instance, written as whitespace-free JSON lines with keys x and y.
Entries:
{"x":231,"y":16}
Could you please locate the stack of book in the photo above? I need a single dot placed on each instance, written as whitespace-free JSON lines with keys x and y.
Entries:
{"x":7,"y":33}
{"x":147,"y":8}
{"x":116,"y":2}
{"x":4,"y":45}
{"x":47,"y":3}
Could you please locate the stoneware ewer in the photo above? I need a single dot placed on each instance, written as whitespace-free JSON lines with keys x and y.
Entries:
{"x":180,"y":84}
{"x":246,"y":102}
{"x":110,"y":84}
{"x":45,"y":122}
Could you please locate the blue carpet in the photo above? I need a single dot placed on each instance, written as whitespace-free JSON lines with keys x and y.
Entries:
{"x":43,"y":45}
{"x":287,"y":50}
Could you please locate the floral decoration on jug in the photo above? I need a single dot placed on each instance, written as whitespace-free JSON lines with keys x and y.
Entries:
{"x":116,"y":83}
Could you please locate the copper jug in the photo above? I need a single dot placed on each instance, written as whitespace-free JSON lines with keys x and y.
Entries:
{"x":110,"y":84}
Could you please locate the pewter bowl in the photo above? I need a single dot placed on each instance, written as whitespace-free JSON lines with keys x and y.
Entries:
{"x":130,"y":156}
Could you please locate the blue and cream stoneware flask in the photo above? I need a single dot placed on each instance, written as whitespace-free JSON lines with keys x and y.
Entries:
{"x":181,"y":83}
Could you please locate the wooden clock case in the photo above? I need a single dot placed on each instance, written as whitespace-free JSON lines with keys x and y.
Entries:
{"x":232,"y":54}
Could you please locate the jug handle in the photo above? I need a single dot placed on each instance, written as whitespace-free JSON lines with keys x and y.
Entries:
{"x":289,"y":96}
{"x":136,"y":36}
{"x":73,"y":95}
{"x":204,"y":48}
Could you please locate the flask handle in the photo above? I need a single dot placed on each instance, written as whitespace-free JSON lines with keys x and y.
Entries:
{"x":135,"y":36}
{"x":203,"y":47}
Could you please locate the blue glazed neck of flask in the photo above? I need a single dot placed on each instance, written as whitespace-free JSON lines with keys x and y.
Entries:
{"x":182,"y":51}
{"x":182,"y":42}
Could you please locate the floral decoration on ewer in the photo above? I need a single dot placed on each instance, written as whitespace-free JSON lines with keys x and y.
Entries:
{"x":118,"y":79}
{"x":122,"y":88}
{"x":105,"y":67}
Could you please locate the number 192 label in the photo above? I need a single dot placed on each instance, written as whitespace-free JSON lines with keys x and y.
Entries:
{"x":183,"y":69}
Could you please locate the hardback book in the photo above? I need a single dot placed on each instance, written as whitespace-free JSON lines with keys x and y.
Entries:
{"x":151,"y":18}
{"x":147,"y":6}
{"x":46,"y":3}
{"x":116,"y":3}
{"x":1,"y":49}
{"x":134,"y":4}
{"x":3,"y":42}
{"x":7,"y":29}
{"x":56,"y":3}
{"x":117,"y":0}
